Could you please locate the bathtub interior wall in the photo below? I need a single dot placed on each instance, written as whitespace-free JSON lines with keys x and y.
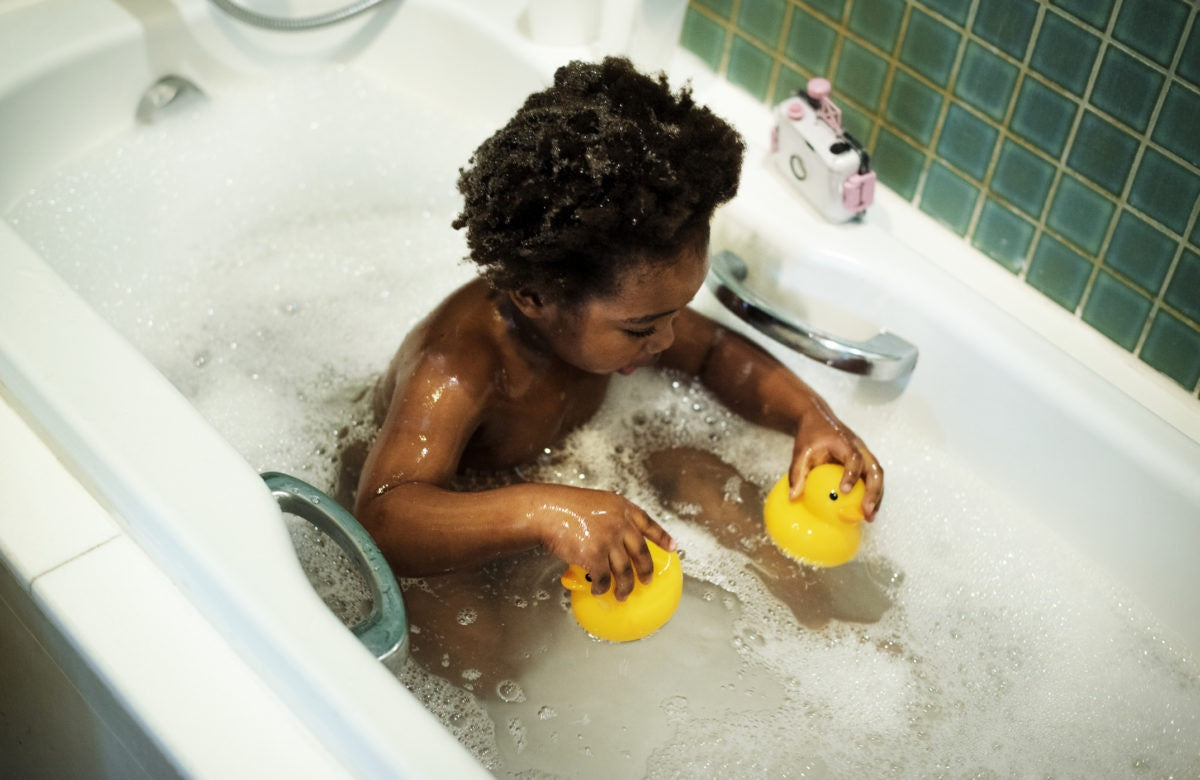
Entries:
{"x":53,"y":110}
{"x":1079,"y":173}
{"x":989,"y":397}
{"x":77,"y":85}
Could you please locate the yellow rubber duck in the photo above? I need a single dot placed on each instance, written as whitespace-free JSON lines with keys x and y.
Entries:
{"x":821,"y":528}
{"x":647,"y":609}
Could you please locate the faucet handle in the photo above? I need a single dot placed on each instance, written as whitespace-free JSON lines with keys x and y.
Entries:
{"x":885,"y":356}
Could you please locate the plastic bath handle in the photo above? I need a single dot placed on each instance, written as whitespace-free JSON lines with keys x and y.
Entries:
{"x":385,"y":631}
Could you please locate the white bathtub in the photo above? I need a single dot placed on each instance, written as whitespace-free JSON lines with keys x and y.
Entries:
{"x":149,"y":570}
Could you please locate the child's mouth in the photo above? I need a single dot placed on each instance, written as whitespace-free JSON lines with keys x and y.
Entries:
{"x":629,"y":369}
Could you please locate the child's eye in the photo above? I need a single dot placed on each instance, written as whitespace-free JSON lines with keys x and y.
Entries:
{"x":641,"y":334}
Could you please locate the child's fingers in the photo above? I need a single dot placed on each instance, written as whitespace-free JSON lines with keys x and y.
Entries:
{"x":600,"y":583}
{"x":802,"y":462}
{"x":852,"y":464}
{"x":657,"y":534}
{"x":622,"y":572}
{"x":873,"y":477}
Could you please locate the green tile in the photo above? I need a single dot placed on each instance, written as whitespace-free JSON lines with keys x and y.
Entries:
{"x":1165,"y":190}
{"x":967,"y":141}
{"x":1140,"y":251}
{"x":1080,"y":214}
{"x":788,"y":82}
{"x":703,"y":37}
{"x":723,"y":8}
{"x":897,"y":163}
{"x":762,"y":20}
{"x":856,"y":123}
{"x":1065,"y":53}
{"x":949,"y":198}
{"x":877,"y":21}
{"x":929,"y":47}
{"x":1116,"y":310}
{"x":810,"y":42}
{"x":913,"y":107}
{"x":1043,"y":117}
{"x":860,"y":75}
{"x":1059,"y":271}
{"x":954,"y":10}
{"x":749,"y":67}
{"x":1095,"y":12}
{"x":834,"y":9}
{"x":1003,"y":235}
{"x":1184,"y":290}
{"x":1151,"y":26}
{"x":1189,"y":63}
{"x":1102,"y":153}
{"x":1126,"y":89}
{"x":1174,"y":349}
{"x":1022,"y":178}
{"x":1177,"y":125}
{"x":1007,"y":24}
{"x":985,"y":81}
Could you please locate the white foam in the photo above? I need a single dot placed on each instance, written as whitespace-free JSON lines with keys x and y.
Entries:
{"x":268,"y":252}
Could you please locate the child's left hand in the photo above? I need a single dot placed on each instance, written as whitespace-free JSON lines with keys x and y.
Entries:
{"x":754,"y":384}
{"x":823,"y":438}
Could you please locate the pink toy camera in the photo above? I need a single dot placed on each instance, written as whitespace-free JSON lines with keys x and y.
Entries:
{"x":823,"y":161}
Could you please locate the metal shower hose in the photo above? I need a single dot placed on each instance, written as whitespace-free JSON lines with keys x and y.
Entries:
{"x":302,"y":23}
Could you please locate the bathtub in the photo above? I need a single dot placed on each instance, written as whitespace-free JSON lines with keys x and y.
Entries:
{"x":151,"y":579}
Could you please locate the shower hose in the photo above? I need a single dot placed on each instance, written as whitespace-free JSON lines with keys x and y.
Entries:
{"x":288,"y":24}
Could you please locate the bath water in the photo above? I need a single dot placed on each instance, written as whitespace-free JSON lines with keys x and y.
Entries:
{"x":268,"y":250}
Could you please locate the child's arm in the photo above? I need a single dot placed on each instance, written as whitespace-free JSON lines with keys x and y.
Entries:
{"x":424,"y":528}
{"x":757,"y":386}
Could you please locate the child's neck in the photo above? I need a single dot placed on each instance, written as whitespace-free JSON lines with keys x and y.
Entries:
{"x":531,"y":344}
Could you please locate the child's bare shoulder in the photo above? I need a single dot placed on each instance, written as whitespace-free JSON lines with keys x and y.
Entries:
{"x":457,"y":346}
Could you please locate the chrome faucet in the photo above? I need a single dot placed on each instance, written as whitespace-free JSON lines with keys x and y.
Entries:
{"x":885,"y":356}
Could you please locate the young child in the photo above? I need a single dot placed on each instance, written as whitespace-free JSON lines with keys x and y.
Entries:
{"x":588,"y":215}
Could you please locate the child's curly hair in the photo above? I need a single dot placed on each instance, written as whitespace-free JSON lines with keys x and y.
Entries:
{"x":604,"y":170}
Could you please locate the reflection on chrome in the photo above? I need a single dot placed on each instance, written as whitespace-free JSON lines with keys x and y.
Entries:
{"x":884,"y":356}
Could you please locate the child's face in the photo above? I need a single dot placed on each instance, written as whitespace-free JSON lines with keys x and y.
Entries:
{"x":630,"y":329}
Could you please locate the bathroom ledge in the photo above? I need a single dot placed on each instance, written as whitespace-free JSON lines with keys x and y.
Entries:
{"x":149,"y":651}
{"x":32,"y":540}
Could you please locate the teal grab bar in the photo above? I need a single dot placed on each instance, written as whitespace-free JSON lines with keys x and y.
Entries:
{"x":385,"y":631}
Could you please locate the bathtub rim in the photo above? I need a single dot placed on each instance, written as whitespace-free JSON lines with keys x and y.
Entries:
{"x":882,"y":212}
{"x":354,"y":706}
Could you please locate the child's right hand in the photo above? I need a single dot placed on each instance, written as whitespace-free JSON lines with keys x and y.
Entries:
{"x":601,"y":532}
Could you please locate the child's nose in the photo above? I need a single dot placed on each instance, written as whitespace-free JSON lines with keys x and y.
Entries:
{"x":663,"y":338}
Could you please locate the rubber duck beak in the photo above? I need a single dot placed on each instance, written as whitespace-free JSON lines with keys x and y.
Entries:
{"x":575,"y":578}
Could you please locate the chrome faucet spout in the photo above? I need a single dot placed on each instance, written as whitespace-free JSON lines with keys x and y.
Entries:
{"x":884,"y":357}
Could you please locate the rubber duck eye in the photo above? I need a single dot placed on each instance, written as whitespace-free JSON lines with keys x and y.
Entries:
{"x":833,"y":495}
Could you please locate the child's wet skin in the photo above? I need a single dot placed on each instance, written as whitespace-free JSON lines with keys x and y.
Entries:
{"x":467,"y":627}
{"x":730,"y":508}
{"x":588,"y":217}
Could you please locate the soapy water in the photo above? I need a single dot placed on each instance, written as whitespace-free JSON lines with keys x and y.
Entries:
{"x":268,"y":250}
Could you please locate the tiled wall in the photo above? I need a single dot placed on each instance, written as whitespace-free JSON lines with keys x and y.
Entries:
{"x":1060,"y":137}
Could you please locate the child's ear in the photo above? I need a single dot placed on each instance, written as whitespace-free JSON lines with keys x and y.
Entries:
{"x":529,"y":302}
